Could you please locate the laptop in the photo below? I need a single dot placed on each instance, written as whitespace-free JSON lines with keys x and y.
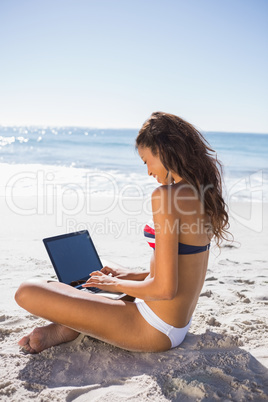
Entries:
{"x":74,"y":257}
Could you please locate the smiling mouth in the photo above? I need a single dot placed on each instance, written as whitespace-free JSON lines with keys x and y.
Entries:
{"x":156,"y":177}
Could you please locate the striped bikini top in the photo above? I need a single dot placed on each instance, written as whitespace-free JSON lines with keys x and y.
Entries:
{"x":149,"y":233}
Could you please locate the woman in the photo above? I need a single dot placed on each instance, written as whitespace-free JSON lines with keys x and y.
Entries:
{"x":188,"y":209}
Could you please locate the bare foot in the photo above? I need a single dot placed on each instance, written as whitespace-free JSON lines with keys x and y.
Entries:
{"x":44,"y":337}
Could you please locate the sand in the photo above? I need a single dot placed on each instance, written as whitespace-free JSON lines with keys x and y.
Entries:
{"x":224,"y":356}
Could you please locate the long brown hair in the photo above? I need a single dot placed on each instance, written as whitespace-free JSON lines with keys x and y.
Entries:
{"x":183,"y":150}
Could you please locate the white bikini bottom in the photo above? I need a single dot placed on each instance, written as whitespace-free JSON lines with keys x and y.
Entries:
{"x":176,"y":335}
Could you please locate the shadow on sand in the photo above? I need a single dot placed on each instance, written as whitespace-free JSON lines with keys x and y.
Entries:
{"x":207,"y":367}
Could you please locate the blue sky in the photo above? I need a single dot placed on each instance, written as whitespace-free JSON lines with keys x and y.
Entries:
{"x":110,"y":63}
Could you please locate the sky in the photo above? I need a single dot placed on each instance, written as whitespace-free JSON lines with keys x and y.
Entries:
{"x":111,"y":63}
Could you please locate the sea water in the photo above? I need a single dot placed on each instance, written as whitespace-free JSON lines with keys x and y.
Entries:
{"x":105,"y":161}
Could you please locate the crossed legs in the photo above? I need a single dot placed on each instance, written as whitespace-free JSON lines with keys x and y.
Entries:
{"x":72,"y":312}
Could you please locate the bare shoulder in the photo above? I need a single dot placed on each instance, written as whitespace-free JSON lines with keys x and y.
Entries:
{"x":161,"y":196}
{"x":187,"y":199}
{"x":163,"y":204}
{"x":181,"y":197}
{"x":160,"y":191}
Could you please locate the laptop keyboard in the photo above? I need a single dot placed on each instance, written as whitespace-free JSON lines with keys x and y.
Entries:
{"x":91,"y":289}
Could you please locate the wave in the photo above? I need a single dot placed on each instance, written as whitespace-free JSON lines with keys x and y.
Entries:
{"x":51,"y":180}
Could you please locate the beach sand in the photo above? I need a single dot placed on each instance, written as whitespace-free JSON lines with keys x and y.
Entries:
{"x":224,"y":356}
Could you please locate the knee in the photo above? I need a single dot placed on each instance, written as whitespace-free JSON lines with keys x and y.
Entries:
{"x":21,"y":293}
{"x":25,"y":292}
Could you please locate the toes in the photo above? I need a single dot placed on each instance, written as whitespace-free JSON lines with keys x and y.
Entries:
{"x":24,"y":341}
{"x":24,"y":344}
{"x":27,"y":349}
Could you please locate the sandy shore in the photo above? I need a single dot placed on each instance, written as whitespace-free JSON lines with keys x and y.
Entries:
{"x":224,"y":356}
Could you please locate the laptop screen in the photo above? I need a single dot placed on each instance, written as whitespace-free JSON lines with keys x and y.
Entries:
{"x":73,"y":256}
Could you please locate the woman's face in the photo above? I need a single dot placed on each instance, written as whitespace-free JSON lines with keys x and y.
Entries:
{"x":154,"y":166}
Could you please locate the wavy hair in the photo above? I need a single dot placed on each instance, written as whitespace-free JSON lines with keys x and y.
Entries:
{"x":183,"y":150}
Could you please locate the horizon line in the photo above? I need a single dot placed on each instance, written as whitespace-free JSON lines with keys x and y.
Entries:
{"x":119,"y":128}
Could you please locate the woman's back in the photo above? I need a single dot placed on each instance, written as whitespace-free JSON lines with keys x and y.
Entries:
{"x":190,"y":227}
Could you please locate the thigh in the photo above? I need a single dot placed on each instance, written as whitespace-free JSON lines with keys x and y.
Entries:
{"x":114,"y":321}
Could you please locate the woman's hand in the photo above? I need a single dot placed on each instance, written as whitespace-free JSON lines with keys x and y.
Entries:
{"x":118,"y":272}
{"x":102,"y":281}
{"x":124,"y":273}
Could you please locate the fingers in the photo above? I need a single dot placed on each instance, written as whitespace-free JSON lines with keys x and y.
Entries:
{"x":92,"y":281}
{"x":92,"y":275}
{"x":96,"y":276}
{"x":107,"y":270}
{"x":96,"y":273}
{"x":100,"y":280}
{"x":99,"y":273}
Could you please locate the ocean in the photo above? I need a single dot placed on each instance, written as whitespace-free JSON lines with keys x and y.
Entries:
{"x":105,"y":161}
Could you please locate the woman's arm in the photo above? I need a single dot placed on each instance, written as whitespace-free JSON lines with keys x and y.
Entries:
{"x":124,"y":273}
{"x":163,"y":285}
